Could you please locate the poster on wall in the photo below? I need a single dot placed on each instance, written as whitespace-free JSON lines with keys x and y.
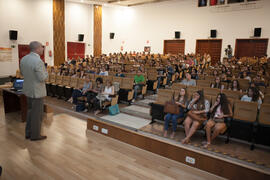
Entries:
{"x":5,"y":54}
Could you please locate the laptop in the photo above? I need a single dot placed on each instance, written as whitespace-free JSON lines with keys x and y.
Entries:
{"x":18,"y":84}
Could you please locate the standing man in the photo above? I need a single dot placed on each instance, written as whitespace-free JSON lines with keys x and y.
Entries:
{"x":228,"y":51}
{"x":33,"y":70}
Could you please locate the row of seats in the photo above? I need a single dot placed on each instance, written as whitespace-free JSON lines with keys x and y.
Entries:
{"x":248,"y":123}
{"x":64,"y":85}
{"x":214,"y":91}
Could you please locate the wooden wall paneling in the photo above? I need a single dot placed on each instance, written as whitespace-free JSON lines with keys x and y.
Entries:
{"x":260,"y":47}
{"x":250,"y":47}
{"x":59,"y":31}
{"x":202,"y":46}
{"x":97,"y":30}
{"x":215,"y":50}
{"x":205,"y":162}
{"x":174,"y":46}
{"x":210,"y":46}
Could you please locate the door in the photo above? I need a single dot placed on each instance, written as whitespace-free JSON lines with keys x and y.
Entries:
{"x":174,"y":46}
{"x":75,"y":50}
{"x":210,"y":46}
{"x":250,"y":47}
{"x":23,"y":49}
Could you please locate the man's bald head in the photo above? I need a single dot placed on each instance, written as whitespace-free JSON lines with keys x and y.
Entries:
{"x":36,"y":47}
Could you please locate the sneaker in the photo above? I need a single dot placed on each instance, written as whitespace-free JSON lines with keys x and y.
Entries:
{"x":133,"y":100}
{"x":85,"y":110}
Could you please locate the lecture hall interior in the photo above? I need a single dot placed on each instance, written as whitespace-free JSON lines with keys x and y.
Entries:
{"x":136,"y":89}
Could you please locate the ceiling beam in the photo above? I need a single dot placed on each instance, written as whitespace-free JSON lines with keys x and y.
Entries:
{"x":147,"y":2}
{"x":115,"y":1}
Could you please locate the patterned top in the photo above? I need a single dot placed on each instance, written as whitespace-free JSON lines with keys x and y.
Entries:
{"x":194,"y":107}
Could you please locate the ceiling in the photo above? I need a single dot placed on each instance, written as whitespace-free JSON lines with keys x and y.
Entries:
{"x":119,"y":2}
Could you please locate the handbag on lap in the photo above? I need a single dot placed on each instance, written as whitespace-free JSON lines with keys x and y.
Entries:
{"x":171,"y":107}
{"x":197,"y":117}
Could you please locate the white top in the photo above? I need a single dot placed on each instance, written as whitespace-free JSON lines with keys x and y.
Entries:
{"x":104,"y":73}
{"x":108,"y":90}
{"x":218,"y":112}
{"x":246,"y":98}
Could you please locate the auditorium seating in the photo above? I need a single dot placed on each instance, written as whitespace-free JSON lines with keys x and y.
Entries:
{"x":263,"y":134}
{"x":244,"y":125}
{"x":126,"y":90}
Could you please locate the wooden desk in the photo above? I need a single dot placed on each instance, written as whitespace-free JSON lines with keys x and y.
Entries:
{"x":15,"y":101}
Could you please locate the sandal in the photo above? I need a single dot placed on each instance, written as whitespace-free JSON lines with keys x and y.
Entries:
{"x":185,"y":141}
{"x":206,"y":145}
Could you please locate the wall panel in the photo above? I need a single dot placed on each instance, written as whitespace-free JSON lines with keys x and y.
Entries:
{"x":59,"y":31}
{"x":97,"y":30}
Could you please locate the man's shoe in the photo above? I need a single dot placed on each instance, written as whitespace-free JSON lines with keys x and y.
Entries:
{"x":27,"y":137}
{"x":39,"y":139}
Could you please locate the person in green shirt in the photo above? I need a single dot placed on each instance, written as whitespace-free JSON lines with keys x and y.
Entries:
{"x":139,"y":81}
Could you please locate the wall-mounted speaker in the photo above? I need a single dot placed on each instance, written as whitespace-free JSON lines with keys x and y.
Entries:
{"x":177,"y":34}
{"x":213,"y":33}
{"x":111,"y":35}
{"x":80,"y":37}
{"x":13,"y":35}
{"x":257,"y":32}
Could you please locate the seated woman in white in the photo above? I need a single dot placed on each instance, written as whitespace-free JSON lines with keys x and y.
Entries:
{"x":220,"y":110}
{"x":252,"y":95}
{"x":105,"y":95}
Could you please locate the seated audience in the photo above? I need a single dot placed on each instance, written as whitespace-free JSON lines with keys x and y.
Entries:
{"x":98,"y":88}
{"x":252,"y":84}
{"x":105,"y":95}
{"x":224,"y":78}
{"x":119,"y":73}
{"x":220,"y":110}
{"x":103,"y":72}
{"x":235,"y":86}
{"x":246,"y":76}
{"x":217,"y":83}
{"x":82,"y":91}
{"x":252,"y":95}
{"x":194,"y":74}
{"x":181,"y":100}
{"x":139,"y":82}
{"x":259,"y":80}
{"x":188,"y":81}
{"x":198,"y":109}
{"x":215,"y":73}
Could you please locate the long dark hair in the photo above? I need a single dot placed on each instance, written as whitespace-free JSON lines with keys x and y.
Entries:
{"x":185,"y":96}
{"x":217,"y":85}
{"x":200,"y":102}
{"x":225,"y":105}
{"x":238,"y":86}
{"x":256,"y":93}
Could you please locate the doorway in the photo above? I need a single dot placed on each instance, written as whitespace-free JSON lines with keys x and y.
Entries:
{"x":210,"y":46}
{"x":250,"y":47}
{"x":174,"y":46}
